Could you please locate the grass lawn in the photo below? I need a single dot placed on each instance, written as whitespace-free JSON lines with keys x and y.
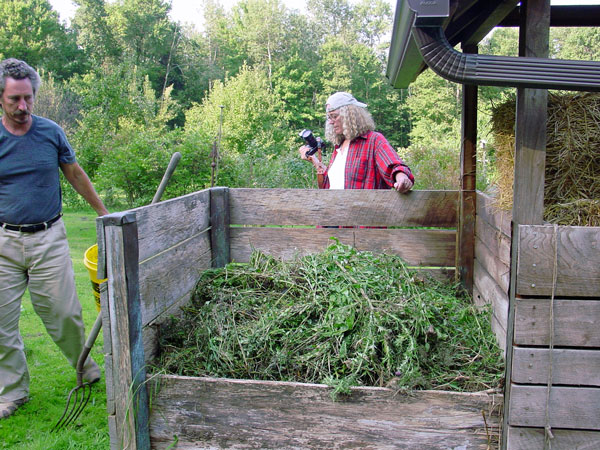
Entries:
{"x":51,"y":375}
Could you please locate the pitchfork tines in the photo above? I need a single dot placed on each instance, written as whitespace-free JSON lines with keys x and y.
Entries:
{"x":81,"y":393}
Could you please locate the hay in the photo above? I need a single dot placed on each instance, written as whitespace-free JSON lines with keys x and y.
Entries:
{"x":572,"y":176}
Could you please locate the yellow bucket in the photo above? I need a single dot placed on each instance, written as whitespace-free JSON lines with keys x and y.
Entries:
{"x":90,"y":260}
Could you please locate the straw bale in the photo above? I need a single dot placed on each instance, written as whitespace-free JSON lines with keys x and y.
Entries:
{"x":572,"y":176}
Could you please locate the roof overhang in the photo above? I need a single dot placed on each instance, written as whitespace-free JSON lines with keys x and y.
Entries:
{"x":425,"y":34}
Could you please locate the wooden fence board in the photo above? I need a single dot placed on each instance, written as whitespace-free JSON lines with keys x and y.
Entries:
{"x":575,"y":322}
{"x":492,"y":293}
{"x":489,"y":213}
{"x":569,"y":407}
{"x":578,"y":259}
{"x":499,"y":271}
{"x":341,"y":207}
{"x":497,"y":242}
{"x":569,"y":366}
{"x":497,"y":328}
{"x":171,"y":274}
{"x":534,"y":438}
{"x":416,"y":247}
{"x":165,"y":224}
{"x":219,"y":413}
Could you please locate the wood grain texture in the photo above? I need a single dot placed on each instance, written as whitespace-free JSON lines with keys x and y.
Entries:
{"x":123,"y":424}
{"x":569,"y":407}
{"x":575,"y":322}
{"x":172,"y":274}
{"x":499,"y":271}
{"x":166,"y":224}
{"x":416,"y":247}
{"x":495,"y":240}
{"x":235,"y":414}
{"x":578,"y":259}
{"x":490,"y":214}
{"x":534,"y":438}
{"x":491,"y":293}
{"x":569,"y":366}
{"x":350,"y":207}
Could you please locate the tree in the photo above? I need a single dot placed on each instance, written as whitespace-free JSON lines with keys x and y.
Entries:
{"x":576,"y":43}
{"x":253,"y":130}
{"x":94,"y":34}
{"x":31,"y":31}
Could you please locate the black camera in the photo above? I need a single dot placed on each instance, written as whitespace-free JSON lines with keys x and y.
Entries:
{"x":313,"y":143}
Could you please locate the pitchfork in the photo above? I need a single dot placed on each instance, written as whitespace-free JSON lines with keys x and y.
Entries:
{"x":82,"y":392}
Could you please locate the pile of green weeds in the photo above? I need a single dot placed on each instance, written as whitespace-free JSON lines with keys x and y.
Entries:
{"x":341,"y":317}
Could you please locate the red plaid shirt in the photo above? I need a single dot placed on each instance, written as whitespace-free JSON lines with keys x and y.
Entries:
{"x":372,"y":164}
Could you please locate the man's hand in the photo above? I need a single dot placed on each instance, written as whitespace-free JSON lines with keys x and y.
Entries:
{"x":403,"y":183}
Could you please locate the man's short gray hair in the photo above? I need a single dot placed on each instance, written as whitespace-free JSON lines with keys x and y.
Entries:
{"x":19,"y":70}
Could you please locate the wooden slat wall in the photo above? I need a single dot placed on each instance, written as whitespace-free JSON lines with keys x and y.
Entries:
{"x":416,"y":247}
{"x":343,"y":207}
{"x":492,"y":263}
{"x":222,"y":413}
{"x":578,"y":259}
{"x":567,"y":323}
{"x":255,"y":209}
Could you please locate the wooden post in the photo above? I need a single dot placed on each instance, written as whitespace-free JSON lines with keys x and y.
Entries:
{"x":465,"y":249}
{"x":219,"y":226}
{"x":530,"y":160}
{"x":128,"y":373}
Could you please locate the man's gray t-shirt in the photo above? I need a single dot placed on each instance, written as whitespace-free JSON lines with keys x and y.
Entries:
{"x":29,"y":177}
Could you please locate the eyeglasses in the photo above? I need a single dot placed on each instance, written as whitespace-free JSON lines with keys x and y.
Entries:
{"x":333,"y":117}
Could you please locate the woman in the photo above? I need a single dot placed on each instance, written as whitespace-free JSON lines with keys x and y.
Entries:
{"x":362,"y":158}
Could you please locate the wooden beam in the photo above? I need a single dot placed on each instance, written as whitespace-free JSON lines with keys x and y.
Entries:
{"x":465,"y":244}
{"x":530,"y":156}
{"x":219,"y":222}
{"x":128,"y":361}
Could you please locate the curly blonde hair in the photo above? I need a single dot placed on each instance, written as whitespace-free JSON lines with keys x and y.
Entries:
{"x":356,"y":121}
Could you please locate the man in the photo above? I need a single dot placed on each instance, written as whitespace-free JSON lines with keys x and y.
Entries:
{"x":34,"y":252}
{"x":362,"y":158}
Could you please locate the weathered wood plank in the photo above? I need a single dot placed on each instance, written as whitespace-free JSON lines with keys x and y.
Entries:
{"x":352,"y":207}
{"x":569,"y":407}
{"x":119,"y":339}
{"x":165,"y":224}
{"x":465,"y":241}
{"x":499,"y":271}
{"x":219,"y":413}
{"x":569,"y":366}
{"x":575,"y":322}
{"x":494,"y":239}
{"x":490,"y":214}
{"x":171,"y":274}
{"x":492,"y":293}
{"x":416,"y":247}
{"x":219,"y":226}
{"x":531,"y":118}
{"x":107,"y":348}
{"x":534,"y":438}
{"x":497,"y":328}
{"x":578,"y":259}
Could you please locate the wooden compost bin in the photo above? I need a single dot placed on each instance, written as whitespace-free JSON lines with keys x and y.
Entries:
{"x":553,"y":335}
{"x":153,"y":257}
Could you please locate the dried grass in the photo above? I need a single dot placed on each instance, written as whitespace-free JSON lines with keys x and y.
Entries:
{"x":572,"y":176}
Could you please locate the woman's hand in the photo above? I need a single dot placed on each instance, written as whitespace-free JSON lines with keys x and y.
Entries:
{"x":403,"y":183}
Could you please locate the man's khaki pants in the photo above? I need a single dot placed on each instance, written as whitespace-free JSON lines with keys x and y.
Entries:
{"x":41,"y":262}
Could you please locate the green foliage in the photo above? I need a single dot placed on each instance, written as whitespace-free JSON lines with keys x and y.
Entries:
{"x":32,"y":32}
{"x":250,"y":111}
{"x":340,"y":317}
